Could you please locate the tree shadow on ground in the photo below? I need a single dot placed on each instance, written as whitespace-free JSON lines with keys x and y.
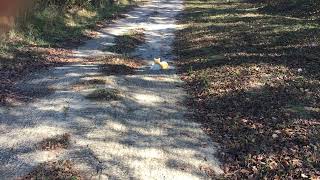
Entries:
{"x":123,"y":136}
{"x":254,"y":79}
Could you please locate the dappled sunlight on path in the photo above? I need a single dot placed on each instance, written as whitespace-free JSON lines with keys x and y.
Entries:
{"x":143,"y":135}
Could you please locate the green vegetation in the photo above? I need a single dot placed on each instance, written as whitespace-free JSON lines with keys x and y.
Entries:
{"x":44,"y":33}
{"x":53,"y":24}
{"x":254,"y":76}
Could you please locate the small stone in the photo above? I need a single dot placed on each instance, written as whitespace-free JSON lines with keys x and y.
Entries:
{"x":275,"y":136}
{"x":254,"y":169}
{"x":277,"y":131}
{"x":299,"y":70}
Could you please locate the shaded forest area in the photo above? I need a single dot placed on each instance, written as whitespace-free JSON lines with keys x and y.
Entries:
{"x":252,"y":68}
{"x":296,"y":8}
{"x":39,"y":34}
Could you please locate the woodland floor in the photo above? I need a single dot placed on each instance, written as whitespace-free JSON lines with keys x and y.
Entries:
{"x":254,"y":76}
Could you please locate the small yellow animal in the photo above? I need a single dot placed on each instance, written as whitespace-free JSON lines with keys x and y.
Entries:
{"x":163,"y":64}
{"x":157,"y":60}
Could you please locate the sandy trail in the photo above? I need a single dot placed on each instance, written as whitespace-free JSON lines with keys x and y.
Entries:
{"x":143,"y":136}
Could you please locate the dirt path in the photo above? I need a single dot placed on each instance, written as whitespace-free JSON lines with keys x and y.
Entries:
{"x":145,"y":135}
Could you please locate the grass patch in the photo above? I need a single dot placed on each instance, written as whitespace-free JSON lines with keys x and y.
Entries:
{"x":105,"y":95}
{"x":56,"y":26}
{"x":57,"y":142}
{"x":33,"y":43}
{"x":128,"y":42}
{"x":63,"y":169}
{"x":254,"y":80}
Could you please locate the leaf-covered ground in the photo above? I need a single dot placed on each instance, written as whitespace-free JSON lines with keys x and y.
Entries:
{"x":54,"y":170}
{"x":57,"y":142}
{"x":128,"y":42}
{"x":23,"y":61}
{"x":254,"y":78}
